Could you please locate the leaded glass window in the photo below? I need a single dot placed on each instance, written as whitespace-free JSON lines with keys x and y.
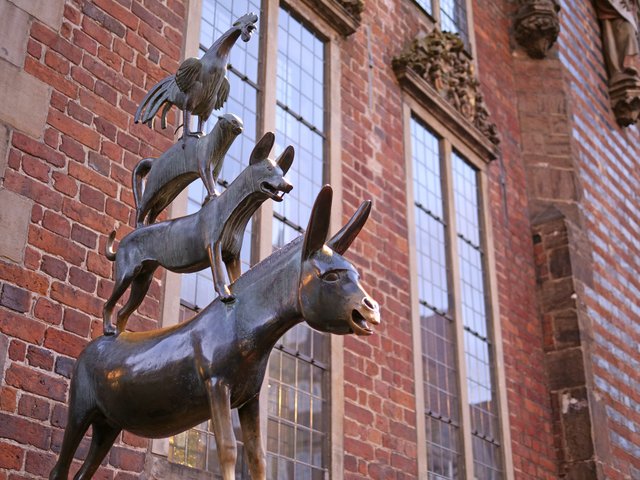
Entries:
{"x":450,"y":14}
{"x":297,"y":407}
{"x":477,"y":345}
{"x":217,"y":18}
{"x":298,"y":370}
{"x":453,"y":312}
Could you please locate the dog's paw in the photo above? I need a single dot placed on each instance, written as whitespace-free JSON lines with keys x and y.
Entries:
{"x":228,"y":298}
{"x":108,"y":330}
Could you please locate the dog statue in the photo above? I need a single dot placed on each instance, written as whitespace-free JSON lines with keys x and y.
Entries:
{"x":209,"y":237}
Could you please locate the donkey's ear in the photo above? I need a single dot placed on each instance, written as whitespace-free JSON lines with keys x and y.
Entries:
{"x":342,"y":240}
{"x":286,"y":159}
{"x":318,"y":227}
{"x":262,"y":148}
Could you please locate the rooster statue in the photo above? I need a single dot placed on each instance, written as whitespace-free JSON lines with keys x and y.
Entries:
{"x":200,"y":85}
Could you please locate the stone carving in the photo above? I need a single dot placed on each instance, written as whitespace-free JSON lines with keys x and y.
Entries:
{"x":354,"y":7}
{"x":162,"y":382}
{"x":207,"y":238}
{"x":200,"y":86}
{"x":619,"y":19}
{"x":166,"y":176}
{"x":440,"y":59}
{"x":536,"y":26}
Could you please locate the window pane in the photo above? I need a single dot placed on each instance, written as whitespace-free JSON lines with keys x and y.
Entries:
{"x":453,"y":18}
{"x":440,"y":383}
{"x":478,"y":349}
{"x":217,"y":18}
{"x":298,"y":372}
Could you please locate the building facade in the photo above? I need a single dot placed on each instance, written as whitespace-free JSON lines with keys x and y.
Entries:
{"x":498,"y":142}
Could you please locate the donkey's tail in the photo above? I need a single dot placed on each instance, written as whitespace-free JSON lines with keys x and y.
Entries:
{"x":108,"y":249}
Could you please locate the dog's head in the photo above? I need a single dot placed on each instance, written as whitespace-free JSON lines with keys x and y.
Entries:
{"x":266,"y":174}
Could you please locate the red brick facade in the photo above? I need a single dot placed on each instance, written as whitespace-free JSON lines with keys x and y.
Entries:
{"x":564,"y":210}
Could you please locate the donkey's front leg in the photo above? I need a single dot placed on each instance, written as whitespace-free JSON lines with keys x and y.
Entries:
{"x":217,"y":269}
{"x":220,"y":406}
{"x":250,"y":422}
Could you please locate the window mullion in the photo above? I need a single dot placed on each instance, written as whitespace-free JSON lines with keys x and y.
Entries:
{"x":456,"y":302}
{"x":266,"y":117}
{"x":435,"y":5}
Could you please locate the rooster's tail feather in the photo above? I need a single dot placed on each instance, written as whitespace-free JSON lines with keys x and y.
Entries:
{"x":150,"y":104}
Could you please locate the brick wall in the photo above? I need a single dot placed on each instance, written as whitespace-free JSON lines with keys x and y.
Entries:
{"x":68,"y":145}
{"x":380,"y":434}
{"x":606,"y":157}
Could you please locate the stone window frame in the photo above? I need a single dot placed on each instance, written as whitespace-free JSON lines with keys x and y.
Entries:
{"x":332,"y":34}
{"x":479,"y":157}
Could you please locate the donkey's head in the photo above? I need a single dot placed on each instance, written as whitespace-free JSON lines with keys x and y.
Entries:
{"x":331,"y":297}
{"x":266,"y":175}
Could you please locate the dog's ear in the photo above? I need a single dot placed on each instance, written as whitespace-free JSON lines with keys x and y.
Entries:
{"x":286,"y":159}
{"x":262,"y":148}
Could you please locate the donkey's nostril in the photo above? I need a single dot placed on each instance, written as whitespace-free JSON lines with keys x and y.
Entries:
{"x":369,"y":303}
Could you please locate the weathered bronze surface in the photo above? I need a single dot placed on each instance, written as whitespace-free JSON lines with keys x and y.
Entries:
{"x":619,"y":19}
{"x":162,"y":382}
{"x":166,"y":176}
{"x":209,"y":237}
{"x":200,"y":86}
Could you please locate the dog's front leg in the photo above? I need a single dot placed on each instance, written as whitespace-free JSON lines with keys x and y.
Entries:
{"x":217,"y":269}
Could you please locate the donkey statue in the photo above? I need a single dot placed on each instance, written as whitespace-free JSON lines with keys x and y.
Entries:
{"x":162,"y":382}
{"x":209,"y":237}
{"x":166,"y":176}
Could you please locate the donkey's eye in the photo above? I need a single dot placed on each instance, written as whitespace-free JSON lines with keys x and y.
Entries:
{"x":330,"y":277}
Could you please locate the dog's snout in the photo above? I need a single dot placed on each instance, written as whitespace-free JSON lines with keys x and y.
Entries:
{"x":287,"y":187}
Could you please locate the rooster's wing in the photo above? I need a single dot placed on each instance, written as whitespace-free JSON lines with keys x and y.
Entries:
{"x":188,"y":73}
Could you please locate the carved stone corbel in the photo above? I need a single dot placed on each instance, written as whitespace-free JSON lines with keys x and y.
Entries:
{"x":344,"y":15}
{"x":536,"y":26}
{"x":436,"y":68}
{"x":625,"y":100}
{"x":621,"y":48}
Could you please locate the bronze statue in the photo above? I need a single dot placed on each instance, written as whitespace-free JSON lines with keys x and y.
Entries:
{"x":166,"y":176}
{"x":162,"y":382}
{"x":200,"y":85}
{"x":619,"y":19}
{"x":206,"y":238}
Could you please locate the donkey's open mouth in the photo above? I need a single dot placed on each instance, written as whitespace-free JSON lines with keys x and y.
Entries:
{"x":275,"y":193}
{"x":359,"y":324}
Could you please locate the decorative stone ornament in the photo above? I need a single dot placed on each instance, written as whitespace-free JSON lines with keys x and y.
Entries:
{"x":441,"y":60}
{"x":536,"y":26}
{"x":621,"y":48}
{"x":625,"y":100}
